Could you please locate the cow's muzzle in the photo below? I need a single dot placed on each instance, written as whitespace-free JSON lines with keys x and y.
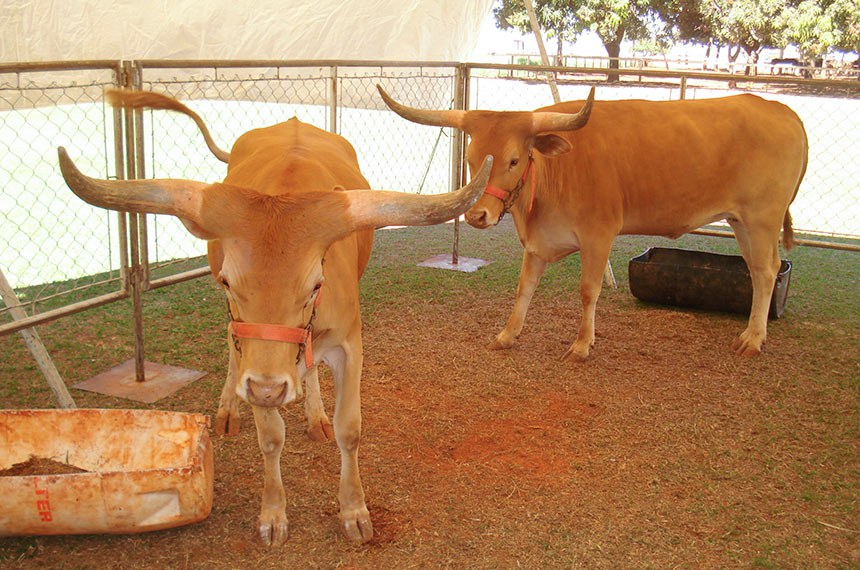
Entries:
{"x":480,"y":217}
{"x":268,"y":392}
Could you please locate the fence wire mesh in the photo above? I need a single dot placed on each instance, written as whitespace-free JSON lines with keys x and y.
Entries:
{"x":51,"y":243}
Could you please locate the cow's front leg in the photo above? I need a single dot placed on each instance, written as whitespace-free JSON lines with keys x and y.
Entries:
{"x":346,"y":365}
{"x":532,"y":270}
{"x":273,"y":526}
{"x":227,"y":418}
{"x":594,"y":258}
{"x":319,"y":426}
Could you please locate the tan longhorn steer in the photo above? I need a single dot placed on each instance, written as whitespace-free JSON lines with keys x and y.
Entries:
{"x":576,"y":174}
{"x":288,"y":245}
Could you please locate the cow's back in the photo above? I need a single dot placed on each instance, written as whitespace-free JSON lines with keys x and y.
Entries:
{"x":293,"y":157}
{"x":297,"y":157}
{"x":649,"y":161}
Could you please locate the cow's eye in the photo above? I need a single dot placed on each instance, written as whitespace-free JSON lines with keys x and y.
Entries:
{"x":225,"y":283}
{"x":515,"y":162}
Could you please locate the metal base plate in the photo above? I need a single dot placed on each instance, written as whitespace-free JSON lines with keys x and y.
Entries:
{"x":160,"y":381}
{"x":464,"y":264}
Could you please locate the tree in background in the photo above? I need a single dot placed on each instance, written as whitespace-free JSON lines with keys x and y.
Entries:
{"x":612,"y":20}
{"x":615,"y":21}
{"x":845,"y":15}
{"x":814,"y":26}
{"x":555,"y":17}
{"x":748,"y":25}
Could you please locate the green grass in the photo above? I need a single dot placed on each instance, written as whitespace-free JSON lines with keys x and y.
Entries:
{"x":823,"y":281}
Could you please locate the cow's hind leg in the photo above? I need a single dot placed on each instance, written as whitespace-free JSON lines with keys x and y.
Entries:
{"x":273,"y":527}
{"x":319,"y":426}
{"x":532,"y":270}
{"x":227,"y":418}
{"x":760,"y":249}
{"x":354,"y":516}
{"x":594,"y":256}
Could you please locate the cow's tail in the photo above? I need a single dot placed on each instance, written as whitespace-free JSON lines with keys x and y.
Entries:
{"x":787,"y":229}
{"x":150,"y":100}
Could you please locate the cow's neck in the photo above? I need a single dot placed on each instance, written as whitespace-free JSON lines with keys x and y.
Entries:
{"x":525,"y":208}
{"x":537,"y":228}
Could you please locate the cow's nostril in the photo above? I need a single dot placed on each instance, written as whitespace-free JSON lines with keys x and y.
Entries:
{"x":266,"y":394}
{"x":477,"y":219}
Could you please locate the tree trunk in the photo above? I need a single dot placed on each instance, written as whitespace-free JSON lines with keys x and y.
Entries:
{"x":613,"y":48}
{"x":559,"y":55}
{"x":752,"y":60}
{"x":733,"y":56}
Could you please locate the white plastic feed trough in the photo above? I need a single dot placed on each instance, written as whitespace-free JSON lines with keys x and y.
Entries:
{"x":142,"y":470}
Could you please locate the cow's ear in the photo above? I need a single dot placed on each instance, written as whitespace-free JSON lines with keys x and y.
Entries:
{"x":551,"y":145}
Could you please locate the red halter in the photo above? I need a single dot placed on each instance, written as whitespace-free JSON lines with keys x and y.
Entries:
{"x":508,"y":196}
{"x":301,"y":336}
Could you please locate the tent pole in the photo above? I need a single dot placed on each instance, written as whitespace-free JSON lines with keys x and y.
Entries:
{"x":542,"y":49}
{"x":608,"y":275}
{"x":34,"y":343}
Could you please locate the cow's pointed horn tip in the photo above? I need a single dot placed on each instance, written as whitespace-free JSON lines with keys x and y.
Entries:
{"x":66,"y":164}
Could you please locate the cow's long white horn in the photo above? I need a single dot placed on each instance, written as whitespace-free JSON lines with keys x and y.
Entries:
{"x":545,"y":122}
{"x":377,"y":208}
{"x":180,"y":198}
{"x":451,"y":118}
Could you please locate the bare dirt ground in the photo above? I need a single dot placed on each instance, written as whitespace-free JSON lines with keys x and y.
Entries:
{"x":663,"y":450}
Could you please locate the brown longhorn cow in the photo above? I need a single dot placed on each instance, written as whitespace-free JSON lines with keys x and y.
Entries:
{"x":574,"y":175}
{"x":288,"y":245}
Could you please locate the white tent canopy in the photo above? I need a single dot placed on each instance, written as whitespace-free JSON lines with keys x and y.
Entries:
{"x":403,"y":30}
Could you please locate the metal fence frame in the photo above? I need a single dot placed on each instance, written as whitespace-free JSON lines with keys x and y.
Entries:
{"x":119,"y":152}
{"x":130,"y":147}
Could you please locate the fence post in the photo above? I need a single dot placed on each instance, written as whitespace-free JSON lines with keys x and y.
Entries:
{"x":333,"y":102}
{"x":457,"y":153}
{"x":136,"y":222}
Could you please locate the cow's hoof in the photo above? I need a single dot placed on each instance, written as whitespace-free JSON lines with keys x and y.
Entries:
{"x":746,"y":347}
{"x":578,"y":352}
{"x":227,"y":423}
{"x":575,"y":355}
{"x":501,"y":342}
{"x":356,"y":525}
{"x":274,"y":529}
{"x":321,"y":430}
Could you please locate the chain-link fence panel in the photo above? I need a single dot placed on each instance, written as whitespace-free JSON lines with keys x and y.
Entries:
{"x":828,"y":202}
{"x":394,"y":153}
{"x":52,"y":243}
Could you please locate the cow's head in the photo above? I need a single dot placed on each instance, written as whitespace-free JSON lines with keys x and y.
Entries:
{"x":511,"y":137}
{"x":270,"y":250}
